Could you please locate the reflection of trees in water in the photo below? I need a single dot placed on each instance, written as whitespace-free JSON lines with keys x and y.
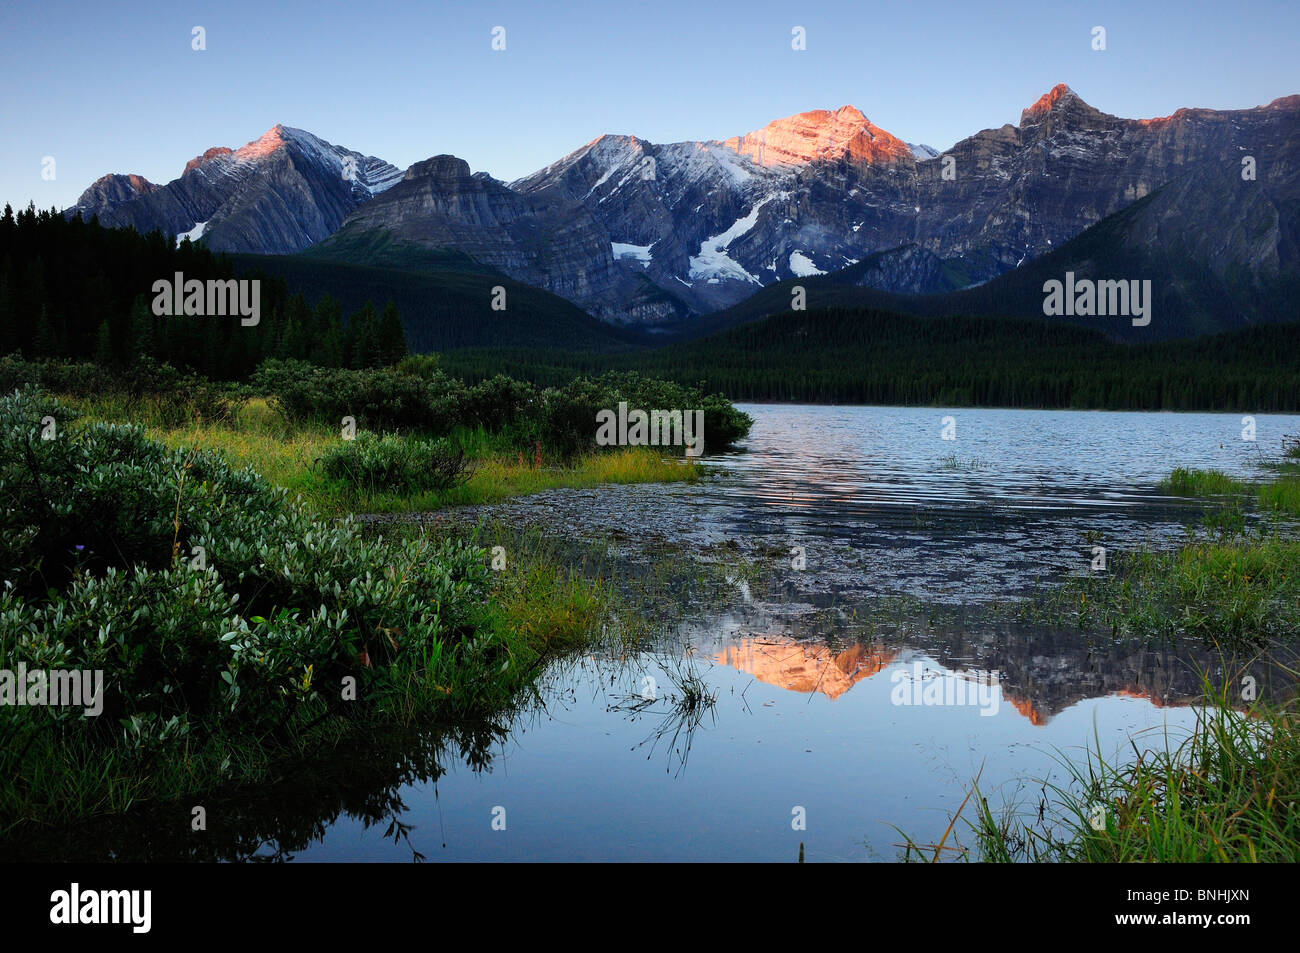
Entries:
{"x":360,"y":780}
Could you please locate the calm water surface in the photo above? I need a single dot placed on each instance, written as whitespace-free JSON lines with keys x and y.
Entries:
{"x":855,"y":731}
{"x":806,"y":722}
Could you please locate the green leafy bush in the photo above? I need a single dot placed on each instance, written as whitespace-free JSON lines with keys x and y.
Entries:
{"x":186,"y":396}
{"x":376,"y":399}
{"x":390,"y":462}
{"x":205,"y":595}
{"x":426,"y":400}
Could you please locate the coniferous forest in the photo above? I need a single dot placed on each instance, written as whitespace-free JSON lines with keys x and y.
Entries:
{"x":71,"y":289}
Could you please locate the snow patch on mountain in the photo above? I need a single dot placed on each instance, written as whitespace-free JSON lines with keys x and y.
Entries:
{"x":601,"y":181}
{"x":194,"y":234}
{"x":802,"y":266}
{"x":643,"y":170}
{"x":639,"y":252}
{"x":713,"y":262}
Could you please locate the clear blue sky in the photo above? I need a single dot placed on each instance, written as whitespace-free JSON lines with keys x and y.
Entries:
{"x":108,"y":87}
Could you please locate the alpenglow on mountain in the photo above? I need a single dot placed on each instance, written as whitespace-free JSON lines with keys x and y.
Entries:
{"x":276,"y":195}
{"x":643,"y":233}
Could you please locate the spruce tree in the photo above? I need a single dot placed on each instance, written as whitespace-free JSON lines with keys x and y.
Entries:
{"x":45,"y":344}
{"x":8,"y":330}
{"x":142,"y":338}
{"x":392,"y":339}
{"x":103,"y":345}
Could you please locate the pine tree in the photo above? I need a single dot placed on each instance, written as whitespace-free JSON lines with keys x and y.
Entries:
{"x":327,"y":334}
{"x":392,"y":339}
{"x":8,"y":331}
{"x":103,"y":345}
{"x":142,"y":337}
{"x":329,"y":352}
{"x":362,"y":339}
{"x":45,"y":343}
{"x":298,"y":331}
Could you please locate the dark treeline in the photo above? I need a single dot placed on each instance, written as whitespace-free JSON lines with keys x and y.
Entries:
{"x":71,"y":289}
{"x":879,"y":357}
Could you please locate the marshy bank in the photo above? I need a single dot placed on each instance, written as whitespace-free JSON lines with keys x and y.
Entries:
{"x":242,"y":629}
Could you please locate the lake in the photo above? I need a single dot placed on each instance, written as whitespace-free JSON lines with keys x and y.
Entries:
{"x":845,"y":738}
{"x":857,"y":688}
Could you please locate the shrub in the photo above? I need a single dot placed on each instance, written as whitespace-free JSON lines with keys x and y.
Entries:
{"x":571,"y":410}
{"x":390,"y":462}
{"x":426,"y":400}
{"x":186,"y":396}
{"x":205,"y":595}
{"x":420,"y":365}
{"x":377,"y":399}
{"x":499,"y":403}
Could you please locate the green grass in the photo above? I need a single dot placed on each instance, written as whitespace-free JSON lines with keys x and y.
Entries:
{"x":254,"y":433}
{"x":1185,"y":482}
{"x":1283,"y":494}
{"x":1231,"y":584}
{"x":1232,"y":592}
{"x":1280,"y":495}
{"x":1228,"y":792}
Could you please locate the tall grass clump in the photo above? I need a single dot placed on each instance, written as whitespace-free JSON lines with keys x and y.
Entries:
{"x":1228,"y":791}
{"x":1186,"y":482}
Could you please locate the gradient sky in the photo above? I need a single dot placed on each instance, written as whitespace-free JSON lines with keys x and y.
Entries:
{"x":117,"y":88}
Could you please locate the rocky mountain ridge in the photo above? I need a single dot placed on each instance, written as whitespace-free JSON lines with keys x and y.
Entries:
{"x":643,"y":233}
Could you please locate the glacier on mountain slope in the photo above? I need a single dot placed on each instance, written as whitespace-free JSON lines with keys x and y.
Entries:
{"x":713,"y":262}
{"x":194,"y":234}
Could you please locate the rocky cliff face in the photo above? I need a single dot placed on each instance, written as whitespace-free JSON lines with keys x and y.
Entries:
{"x":642,"y":233}
{"x":111,"y":190}
{"x":544,"y":239}
{"x":820,"y":136}
{"x":276,"y":195}
{"x":823,"y":190}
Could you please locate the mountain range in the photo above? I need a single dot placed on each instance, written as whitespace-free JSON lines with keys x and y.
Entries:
{"x":1204,"y":202}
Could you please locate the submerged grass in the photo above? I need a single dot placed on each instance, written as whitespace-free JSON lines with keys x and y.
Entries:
{"x":1185,"y":482}
{"x":1233,"y":583}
